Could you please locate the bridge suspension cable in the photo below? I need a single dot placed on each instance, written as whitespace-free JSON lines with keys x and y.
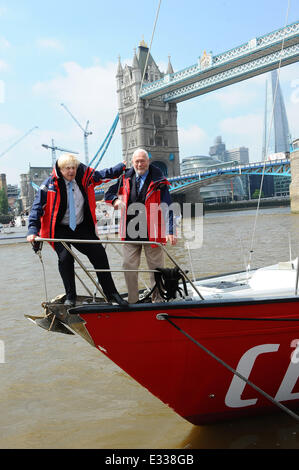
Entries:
{"x":105,"y":144}
{"x":267,"y":145}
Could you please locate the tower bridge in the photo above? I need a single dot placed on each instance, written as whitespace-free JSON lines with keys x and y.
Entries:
{"x":147,"y":98}
{"x":257,"y":56}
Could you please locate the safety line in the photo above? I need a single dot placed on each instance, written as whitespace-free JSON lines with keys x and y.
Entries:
{"x":181,"y":317}
{"x":142,"y":80}
{"x":164,"y":316}
{"x":267,"y":145}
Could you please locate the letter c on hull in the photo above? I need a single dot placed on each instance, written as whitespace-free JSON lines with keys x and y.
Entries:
{"x":236,"y":388}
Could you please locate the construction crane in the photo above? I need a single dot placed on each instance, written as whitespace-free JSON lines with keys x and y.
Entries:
{"x":19,"y":140}
{"x":86,"y":133}
{"x":54,"y":148}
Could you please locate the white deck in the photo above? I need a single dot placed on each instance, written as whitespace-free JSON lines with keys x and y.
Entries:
{"x":273,"y":281}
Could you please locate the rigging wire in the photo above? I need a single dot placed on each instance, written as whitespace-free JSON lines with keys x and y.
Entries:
{"x":142,"y":79}
{"x":267,"y":144}
{"x":164,"y":316}
{"x":138,"y":99}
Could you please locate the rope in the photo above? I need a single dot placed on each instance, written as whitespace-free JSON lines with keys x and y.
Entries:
{"x":120,"y":178}
{"x":267,"y":144}
{"x":181,"y":317}
{"x":143,"y":75}
{"x":167,"y":281}
{"x":164,"y":316}
{"x":37,"y":248}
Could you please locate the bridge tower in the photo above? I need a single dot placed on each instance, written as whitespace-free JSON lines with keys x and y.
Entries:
{"x":155,"y":126}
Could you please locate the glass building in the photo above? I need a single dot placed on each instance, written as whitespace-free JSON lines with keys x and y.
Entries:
{"x":223,"y":190}
{"x":276,"y":135}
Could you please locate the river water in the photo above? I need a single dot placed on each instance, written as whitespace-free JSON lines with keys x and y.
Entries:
{"x":56,"y":391}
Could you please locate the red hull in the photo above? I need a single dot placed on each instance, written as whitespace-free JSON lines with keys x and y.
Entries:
{"x":186,"y":377}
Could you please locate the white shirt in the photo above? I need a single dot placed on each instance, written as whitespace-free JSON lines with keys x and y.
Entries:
{"x":79,"y":203}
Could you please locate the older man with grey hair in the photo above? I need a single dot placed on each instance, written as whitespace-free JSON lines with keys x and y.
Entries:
{"x":143,"y":190}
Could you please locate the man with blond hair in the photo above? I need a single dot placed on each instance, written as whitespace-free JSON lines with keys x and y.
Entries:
{"x":64,"y":208}
{"x":143,"y":191}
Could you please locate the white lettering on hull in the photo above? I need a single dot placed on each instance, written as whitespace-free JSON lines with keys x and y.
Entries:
{"x":233,"y":397}
{"x":288,"y":383}
{"x":285,"y":392}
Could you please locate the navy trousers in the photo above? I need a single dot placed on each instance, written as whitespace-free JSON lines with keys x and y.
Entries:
{"x":94,"y":252}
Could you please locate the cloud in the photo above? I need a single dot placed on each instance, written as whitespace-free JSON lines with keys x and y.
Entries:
{"x":240,"y":94}
{"x":89,"y":93}
{"x":3,"y":65}
{"x":3,"y":11}
{"x":20,"y":151}
{"x":235,"y":98}
{"x":288,"y":74}
{"x":242,"y":125}
{"x":7,"y":133}
{"x":244,"y":130}
{"x":193,"y":140}
{"x":2,"y":91}
{"x":292,"y":113}
{"x":4,"y":43}
{"x":49,"y":43}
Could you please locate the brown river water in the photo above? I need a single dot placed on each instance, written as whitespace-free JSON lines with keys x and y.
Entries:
{"x":56,"y":391}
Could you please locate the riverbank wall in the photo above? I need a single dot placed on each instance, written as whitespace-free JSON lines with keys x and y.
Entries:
{"x":250,"y":204}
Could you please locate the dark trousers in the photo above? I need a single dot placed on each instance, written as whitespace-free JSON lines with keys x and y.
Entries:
{"x":94,"y":252}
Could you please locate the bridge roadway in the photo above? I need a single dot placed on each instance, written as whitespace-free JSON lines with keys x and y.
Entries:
{"x":180,"y":184}
{"x":257,"y":56}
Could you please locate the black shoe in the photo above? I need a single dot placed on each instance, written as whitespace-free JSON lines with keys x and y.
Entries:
{"x":116,"y":298}
{"x":70,"y":302}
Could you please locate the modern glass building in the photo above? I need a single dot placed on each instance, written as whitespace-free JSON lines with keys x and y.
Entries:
{"x":221,"y":191}
{"x":276,"y":135}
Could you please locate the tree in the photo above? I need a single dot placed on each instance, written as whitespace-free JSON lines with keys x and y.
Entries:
{"x":256,"y":194}
{"x":3,"y":202}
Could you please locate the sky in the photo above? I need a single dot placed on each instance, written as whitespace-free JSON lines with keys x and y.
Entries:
{"x":67,"y":52}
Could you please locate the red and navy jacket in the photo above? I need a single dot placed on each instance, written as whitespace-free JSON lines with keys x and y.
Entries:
{"x":157,"y":193}
{"x":50,"y":202}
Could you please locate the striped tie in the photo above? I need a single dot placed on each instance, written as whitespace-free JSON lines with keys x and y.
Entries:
{"x":138,"y":182}
{"x":72,"y":222}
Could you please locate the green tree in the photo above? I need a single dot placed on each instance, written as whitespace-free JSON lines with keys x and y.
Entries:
{"x":3,"y":202}
{"x":256,"y":194}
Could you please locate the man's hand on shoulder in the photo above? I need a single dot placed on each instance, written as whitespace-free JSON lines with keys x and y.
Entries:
{"x":118,"y":204}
